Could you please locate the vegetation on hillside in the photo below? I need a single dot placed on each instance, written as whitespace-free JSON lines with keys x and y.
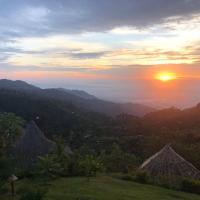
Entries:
{"x":100,"y":144}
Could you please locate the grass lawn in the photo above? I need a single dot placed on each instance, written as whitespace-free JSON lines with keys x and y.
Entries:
{"x":106,"y":188}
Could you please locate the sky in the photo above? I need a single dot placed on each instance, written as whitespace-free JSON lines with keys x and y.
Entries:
{"x":113,"y":49}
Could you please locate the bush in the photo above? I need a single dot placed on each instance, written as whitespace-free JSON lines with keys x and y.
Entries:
{"x":49,"y":166}
{"x":118,"y":161}
{"x":189,"y":185}
{"x":170,"y":182}
{"x":89,"y":165}
{"x":141,"y":177}
{"x":7,"y":167}
{"x":128,"y":178}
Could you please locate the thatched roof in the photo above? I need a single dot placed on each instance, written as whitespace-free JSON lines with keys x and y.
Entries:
{"x":68,"y":150}
{"x":32,"y":144}
{"x":168,"y":163}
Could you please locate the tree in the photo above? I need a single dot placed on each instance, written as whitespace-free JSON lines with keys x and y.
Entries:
{"x":90,"y":165}
{"x":118,"y":161}
{"x":61,"y":155}
{"x":10,"y":129}
{"x":56,"y":163}
{"x":48,"y":166}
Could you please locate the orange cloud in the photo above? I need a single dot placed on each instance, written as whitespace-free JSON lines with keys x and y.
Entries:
{"x":25,"y":75}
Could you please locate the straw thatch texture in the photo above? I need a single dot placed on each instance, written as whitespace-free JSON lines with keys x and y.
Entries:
{"x":168,"y":163}
{"x":68,"y":150}
{"x":32,"y":144}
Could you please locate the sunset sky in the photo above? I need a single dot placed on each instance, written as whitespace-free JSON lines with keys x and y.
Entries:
{"x":114,"y":49}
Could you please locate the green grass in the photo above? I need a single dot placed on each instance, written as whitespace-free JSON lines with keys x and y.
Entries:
{"x":105,"y":188}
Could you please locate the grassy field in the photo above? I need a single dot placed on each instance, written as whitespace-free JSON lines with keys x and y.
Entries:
{"x":105,"y":188}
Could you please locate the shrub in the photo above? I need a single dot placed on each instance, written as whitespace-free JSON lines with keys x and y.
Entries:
{"x":141,"y":177}
{"x":127,"y":178}
{"x":89,"y":165}
{"x":49,"y":166}
{"x":189,"y":185}
{"x":7,"y":167}
{"x":118,"y":161}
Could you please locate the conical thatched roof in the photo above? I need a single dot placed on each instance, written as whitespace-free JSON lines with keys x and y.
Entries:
{"x":68,"y":150}
{"x":32,"y":144}
{"x":168,"y":163}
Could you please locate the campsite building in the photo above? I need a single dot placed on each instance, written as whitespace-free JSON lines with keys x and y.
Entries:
{"x":167,"y":163}
{"x":33,"y":144}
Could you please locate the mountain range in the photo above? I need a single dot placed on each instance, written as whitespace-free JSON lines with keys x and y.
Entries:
{"x":78,"y":98}
{"x":81,"y":117}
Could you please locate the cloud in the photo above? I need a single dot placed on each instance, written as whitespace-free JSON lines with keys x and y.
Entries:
{"x":6,"y":67}
{"x":112,"y":46}
{"x":3,"y":58}
{"x":89,"y":55}
{"x":34,"y":17}
{"x":41,"y":31}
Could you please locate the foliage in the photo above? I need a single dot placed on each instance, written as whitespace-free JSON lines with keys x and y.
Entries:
{"x":7,"y":167}
{"x":141,"y":177}
{"x":89,"y":165}
{"x":57,"y":163}
{"x":56,"y":115}
{"x":118,"y":160}
{"x":128,"y":177}
{"x":170,"y":182}
{"x":48,"y":166}
{"x":62,"y":156}
{"x":10,"y":129}
{"x":192,"y":186}
{"x":139,"y":136}
{"x":84,"y":162}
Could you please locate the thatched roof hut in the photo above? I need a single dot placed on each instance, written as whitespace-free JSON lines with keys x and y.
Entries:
{"x":32,"y":144}
{"x":168,"y":163}
{"x":68,"y":150}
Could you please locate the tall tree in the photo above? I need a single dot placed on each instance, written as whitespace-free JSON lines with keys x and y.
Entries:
{"x":10,"y":128}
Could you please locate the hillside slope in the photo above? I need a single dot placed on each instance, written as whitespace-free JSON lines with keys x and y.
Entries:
{"x":103,"y":188}
{"x":55,"y":117}
{"x":78,"y":98}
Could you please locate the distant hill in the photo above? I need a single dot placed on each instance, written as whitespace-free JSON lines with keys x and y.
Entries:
{"x":79,"y":93}
{"x":173,"y":119}
{"x":16,"y":85}
{"x":78,"y":98}
{"x":55,"y":117}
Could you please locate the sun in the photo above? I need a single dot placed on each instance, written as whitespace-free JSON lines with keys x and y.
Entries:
{"x":166,"y":76}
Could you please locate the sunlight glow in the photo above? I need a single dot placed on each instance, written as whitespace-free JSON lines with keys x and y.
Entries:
{"x":166,"y":76}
